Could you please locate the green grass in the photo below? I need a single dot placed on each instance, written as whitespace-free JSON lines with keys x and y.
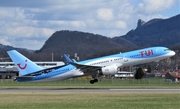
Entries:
{"x":89,"y":100}
{"x":104,"y":83}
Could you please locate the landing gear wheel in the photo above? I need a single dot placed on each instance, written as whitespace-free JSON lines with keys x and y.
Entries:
{"x":92,"y":81}
{"x":95,"y":80}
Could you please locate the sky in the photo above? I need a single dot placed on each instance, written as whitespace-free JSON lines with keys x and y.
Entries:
{"x":29,"y":23}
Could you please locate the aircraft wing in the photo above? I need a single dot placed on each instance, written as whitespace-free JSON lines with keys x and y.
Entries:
{"x":86,"y":68}
{"x":83,"y":68}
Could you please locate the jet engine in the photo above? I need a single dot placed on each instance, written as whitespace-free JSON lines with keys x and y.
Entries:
{"x":110,"y":70}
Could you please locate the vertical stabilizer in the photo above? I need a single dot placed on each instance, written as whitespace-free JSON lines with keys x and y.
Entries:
{"x":22,"y":63}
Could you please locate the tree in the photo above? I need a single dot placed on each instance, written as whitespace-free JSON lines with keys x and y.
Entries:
{"x":139,"y":73}
{"x":149,"y":69}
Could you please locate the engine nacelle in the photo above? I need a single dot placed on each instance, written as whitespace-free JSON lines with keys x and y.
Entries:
{"x":110,"y":70}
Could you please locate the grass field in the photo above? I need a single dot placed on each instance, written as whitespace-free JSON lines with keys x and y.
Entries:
{"x":89,"y":100}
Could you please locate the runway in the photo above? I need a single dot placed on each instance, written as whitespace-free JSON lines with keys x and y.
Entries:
{"x":89,"y":90}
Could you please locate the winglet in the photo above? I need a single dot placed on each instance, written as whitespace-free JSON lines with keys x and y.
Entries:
{"x":67,"y":59}
{"x":74,"y":60}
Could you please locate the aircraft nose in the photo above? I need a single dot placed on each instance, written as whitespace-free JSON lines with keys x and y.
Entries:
{"x":172,"y":53}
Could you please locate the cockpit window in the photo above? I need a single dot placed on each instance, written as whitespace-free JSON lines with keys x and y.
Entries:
{"x":167,"y":50}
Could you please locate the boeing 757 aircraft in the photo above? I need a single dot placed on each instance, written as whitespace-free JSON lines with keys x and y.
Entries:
{"x":107,"y":65}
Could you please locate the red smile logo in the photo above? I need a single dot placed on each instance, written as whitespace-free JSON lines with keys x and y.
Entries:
{"x":19,"y":65}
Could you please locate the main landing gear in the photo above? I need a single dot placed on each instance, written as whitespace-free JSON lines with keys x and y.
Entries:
{"x":95,"y":77}
{"x":93,"y":81}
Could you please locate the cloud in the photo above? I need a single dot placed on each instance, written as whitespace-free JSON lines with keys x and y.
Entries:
{"x":26,"y":37}
{"x":114,"y":32}
{"x":120,"y":24}
{"x":4,"y":40}
{"x":33,"y":44}
{"x":105,"y":14}
{"x":26,"y":23}
{"x":26,"y":4}
{"x":155,"y":6}
{"x":14,"y":14}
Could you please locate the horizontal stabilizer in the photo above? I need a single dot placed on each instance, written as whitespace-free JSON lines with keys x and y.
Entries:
{"x":23,"y":78}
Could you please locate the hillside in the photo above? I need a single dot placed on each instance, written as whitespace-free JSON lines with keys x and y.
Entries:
{"x":156,"y":32}
{"x":4,"y":48}
{"x":71,"y":42}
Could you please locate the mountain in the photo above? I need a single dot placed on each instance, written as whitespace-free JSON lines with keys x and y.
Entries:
{"x":71,"y":42}
{"x":156,"y":32}
{"x":124,"y":42}
{"x":4,"y":48}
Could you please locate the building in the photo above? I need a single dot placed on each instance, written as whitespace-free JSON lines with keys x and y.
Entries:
{"x":172,"y":76}
{"x":124,"y":74}
{"x":8,"y":69}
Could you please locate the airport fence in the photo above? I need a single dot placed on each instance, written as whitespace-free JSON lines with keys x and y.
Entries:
{"x":79,"y":82}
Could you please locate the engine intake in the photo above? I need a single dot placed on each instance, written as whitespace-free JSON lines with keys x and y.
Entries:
{"x":110,"y":70}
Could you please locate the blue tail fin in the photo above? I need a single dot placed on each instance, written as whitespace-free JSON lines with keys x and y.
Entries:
{"x":22,"y":63}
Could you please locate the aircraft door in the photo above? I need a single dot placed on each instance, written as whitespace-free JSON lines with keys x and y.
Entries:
{"x":157,"y":52}
{"x":125,"y":58}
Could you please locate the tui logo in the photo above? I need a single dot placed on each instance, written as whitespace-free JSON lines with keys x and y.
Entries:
{"x":147,"y":53}
{"x":22,"y":67}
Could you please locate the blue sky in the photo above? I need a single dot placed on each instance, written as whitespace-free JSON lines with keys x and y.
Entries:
{"x":29,"y":23}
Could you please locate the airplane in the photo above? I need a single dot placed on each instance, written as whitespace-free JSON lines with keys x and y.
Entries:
{"x":107,"y":65}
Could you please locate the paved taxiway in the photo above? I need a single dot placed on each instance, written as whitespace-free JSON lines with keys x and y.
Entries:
{"x":87,"y":90}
